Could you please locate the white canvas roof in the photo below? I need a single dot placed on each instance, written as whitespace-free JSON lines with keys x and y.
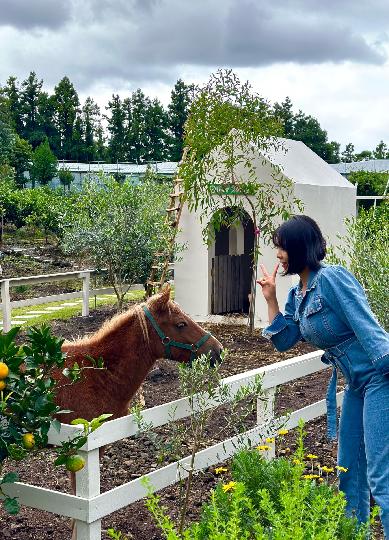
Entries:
{"x":300,"y":164}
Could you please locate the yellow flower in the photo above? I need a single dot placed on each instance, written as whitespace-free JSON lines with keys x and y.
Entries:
{"x":327,"y":469}
{"x":321,"y":479}
{"x":269,"y":439}
{"x":341,"y":469}
{"x":310,"y":476}
{"x":263,"y":447}
{"x":297,"y":462}
{"x":220,"y":470}
{"x":228,"y":487}
{"x":287,"y":450}
{"x":312,"y":456}
{"x":283,"y":432}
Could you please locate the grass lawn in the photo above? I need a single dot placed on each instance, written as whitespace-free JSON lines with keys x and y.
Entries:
{"x":67,"y":311}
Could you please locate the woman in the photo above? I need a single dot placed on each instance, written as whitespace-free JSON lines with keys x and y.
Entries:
{"x":329,"y":309}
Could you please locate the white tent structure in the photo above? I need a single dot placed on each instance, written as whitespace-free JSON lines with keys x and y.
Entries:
{"x":211,"y":282}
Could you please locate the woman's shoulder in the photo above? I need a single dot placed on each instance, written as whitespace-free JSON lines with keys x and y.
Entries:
{"x":335,"y":270}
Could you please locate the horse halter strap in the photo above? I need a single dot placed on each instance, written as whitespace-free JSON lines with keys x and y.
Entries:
{"x":168,"y":343}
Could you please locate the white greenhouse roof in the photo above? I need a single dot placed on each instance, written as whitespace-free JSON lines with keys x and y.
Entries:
{"x":370,"y":165}
{"x":167,"y":167}
{"x":300,"y":164}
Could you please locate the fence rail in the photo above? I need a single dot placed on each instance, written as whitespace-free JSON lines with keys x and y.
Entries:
{"x":89,"y":506}
{"x":86,"y":293}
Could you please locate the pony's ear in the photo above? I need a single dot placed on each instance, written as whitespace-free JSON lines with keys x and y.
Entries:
{"x":159,"y":301}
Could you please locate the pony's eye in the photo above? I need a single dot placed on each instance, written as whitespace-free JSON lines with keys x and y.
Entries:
{"x":181,"y":324}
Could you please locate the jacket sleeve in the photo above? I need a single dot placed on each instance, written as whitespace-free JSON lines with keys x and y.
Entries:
{"x":346,"y":296}
{"x":284,"y":331}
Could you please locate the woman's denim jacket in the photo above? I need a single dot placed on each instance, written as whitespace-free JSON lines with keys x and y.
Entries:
{"x":334,"y":315}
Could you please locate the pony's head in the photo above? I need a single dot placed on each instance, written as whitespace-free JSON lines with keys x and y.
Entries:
{"x":177,"y":336}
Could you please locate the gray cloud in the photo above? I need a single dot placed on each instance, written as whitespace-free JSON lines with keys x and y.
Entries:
{"x":139,"y":40}
{"x":32,"y":14}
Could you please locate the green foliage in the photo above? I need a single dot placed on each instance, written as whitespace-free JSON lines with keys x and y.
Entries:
{"x":226,"y":120}
{"x":268,"y":500}
{"x":369,"y":183}
{"x":44,"y":165}
{"x":366,"y":254}
{"x":118,"y":227}
{"x":65,"y":177}
{"x":178,"y":110}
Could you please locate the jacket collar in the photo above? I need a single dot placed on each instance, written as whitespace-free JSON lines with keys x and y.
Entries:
{"x":312,"y":280}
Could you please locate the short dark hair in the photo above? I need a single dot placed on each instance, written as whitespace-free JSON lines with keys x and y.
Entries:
{"x":303,"y":241}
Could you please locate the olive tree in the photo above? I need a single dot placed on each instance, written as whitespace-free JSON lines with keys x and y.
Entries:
{"x":227,"y":122}
{"x":119,"y":227}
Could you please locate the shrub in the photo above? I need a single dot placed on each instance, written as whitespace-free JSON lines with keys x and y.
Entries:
{"x":366,"y":254}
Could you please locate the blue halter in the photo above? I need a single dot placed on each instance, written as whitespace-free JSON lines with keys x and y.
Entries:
{"x":168,"y":343}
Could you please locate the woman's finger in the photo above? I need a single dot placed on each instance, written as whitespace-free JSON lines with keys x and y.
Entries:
{"x":274,"y":274}
{"x":264,"y":271}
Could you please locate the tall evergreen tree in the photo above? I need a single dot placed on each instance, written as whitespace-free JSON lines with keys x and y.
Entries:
{"x":20,"y":159}
{"x":116,"y":128}
{"x":13,"y":94}
{"x":138,"y":140}
{"x":381,"y":151}
{"x":78,"y":152}
{"x":156,"y":130}
{"x":91,"y":117}
{"x":66,"y":109}
{"x":46,"y":121}
{"x":30,"y":95}
{"x":178,"y":110}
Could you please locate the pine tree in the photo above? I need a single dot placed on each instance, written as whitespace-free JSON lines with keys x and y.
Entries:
{"x":30,"y":95}
{"x":284,"y":112}
{"x":44,"y":164}
{"x":116,"y":128}
{"x":66,"y":110}
{"x":156,"y":131}
{"x":178,"y":110}
{"x":91,"y":117}
{"x":13,"y":94}
{"x":138,"y":140}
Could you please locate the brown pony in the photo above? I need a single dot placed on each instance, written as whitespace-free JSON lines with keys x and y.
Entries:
{"x":129,"y":346}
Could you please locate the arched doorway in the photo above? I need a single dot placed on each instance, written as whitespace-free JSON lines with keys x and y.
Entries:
{"x":232,"y":268}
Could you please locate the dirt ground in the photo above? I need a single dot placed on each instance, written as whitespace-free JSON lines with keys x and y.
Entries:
{"x":130,"y":458}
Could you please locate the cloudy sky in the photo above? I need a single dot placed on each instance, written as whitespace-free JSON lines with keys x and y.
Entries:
{"x":330,"y":57}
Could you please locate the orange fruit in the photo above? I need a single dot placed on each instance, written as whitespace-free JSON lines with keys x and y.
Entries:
{"x":2,"y":385}
{"x":28,"y":441}
{"x":75,"y":463}
{"x":4,"y":370}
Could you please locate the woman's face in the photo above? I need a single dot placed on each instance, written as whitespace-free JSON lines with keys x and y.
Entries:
{"x":282,"y":256}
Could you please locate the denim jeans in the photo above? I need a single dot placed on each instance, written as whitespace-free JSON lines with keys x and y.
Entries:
{"x":364,"y":449}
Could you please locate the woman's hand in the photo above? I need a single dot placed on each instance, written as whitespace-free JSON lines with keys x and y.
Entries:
{"x":268,"y":283}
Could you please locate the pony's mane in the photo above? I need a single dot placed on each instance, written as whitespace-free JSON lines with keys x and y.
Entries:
{"x":115,"y":322}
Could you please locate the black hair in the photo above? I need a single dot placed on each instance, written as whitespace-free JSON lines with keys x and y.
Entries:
{"x":303,"y":241}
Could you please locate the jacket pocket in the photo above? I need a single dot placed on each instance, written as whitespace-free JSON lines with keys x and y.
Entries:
{"x":315,"y":306}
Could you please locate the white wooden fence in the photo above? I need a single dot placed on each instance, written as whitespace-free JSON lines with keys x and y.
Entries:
{"x":85,"y":293}
{"x":89,"y":506}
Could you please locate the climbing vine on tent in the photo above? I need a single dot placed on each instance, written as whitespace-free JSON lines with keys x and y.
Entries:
{"x":228,"y":125}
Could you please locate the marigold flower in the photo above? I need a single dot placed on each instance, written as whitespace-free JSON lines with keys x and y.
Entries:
{"x":327,"y":469}
{"x":311,"y":456}
{"x":283,"y":432}
{"x":228,"y":487}
{"x":341,"y":469}
{"x":220,"y":470}
{"x":269,"y":439}
{"x":263,"y":447}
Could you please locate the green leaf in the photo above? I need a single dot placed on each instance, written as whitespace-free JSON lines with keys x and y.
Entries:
{"x":11,"y":506}
{"x":56,"y":425}
{"x":61,"y":460}
{"x":9,"y":478}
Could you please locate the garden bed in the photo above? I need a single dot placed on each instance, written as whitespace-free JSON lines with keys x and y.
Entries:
{"x":130,"y":458}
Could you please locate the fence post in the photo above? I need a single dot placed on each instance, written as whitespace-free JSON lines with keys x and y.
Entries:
{"x":88,"y":486}
{"x":85,"y":294}
{"x":6,"y":305}
{"x":265,"y":415}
